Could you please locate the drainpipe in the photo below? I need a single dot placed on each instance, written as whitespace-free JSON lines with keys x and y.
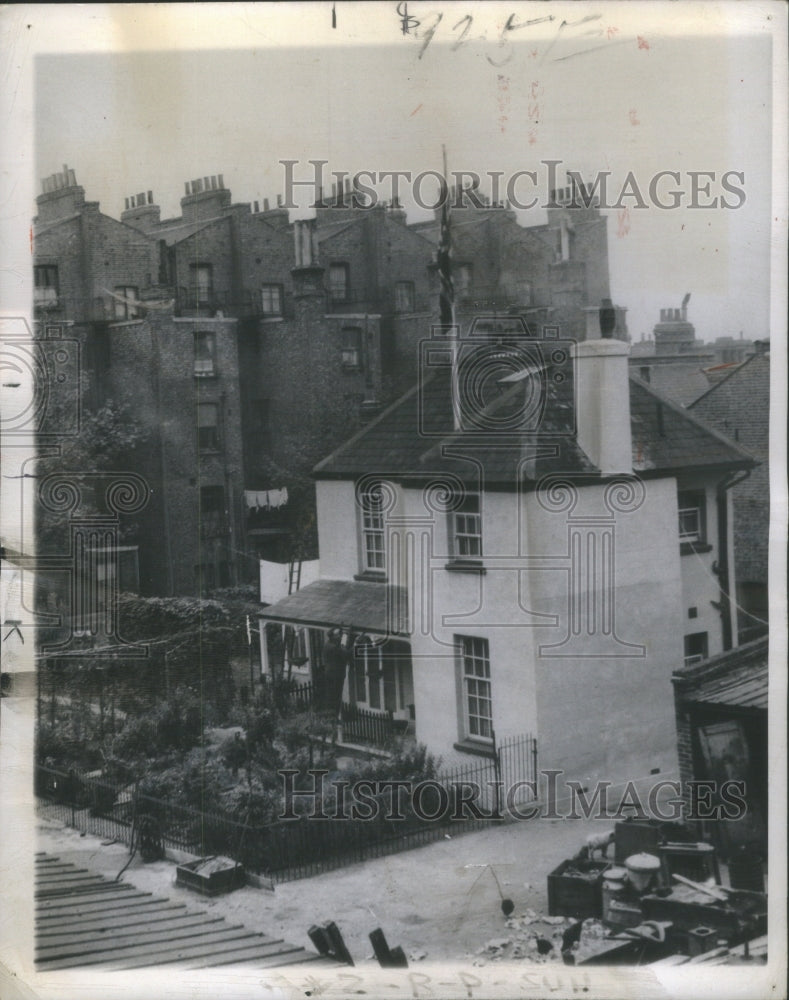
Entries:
{"x":722,"y":566}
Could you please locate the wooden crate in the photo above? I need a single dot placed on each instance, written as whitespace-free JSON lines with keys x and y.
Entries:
{"x":579,"y":895}
{"x":210,"y":876}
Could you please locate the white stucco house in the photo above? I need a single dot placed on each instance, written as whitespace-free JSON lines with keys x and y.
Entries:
{"x":535,"y":559}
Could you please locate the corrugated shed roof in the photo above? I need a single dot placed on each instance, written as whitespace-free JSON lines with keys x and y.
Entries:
{"x":738,"y":677}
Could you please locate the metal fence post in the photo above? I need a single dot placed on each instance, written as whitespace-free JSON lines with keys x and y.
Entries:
{"x":497,"y":775}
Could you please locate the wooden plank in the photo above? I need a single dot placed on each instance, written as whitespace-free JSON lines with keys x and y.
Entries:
{"x":56,"y":873}
{"x":76,"y":904}
{"x":67,"y":882}
{"x":57,"y":866}
{"x":235,"y":954}
{"x":155,"y":954}
{"x":115,"y":910}
{"x":158,"y":928}
{"x":97,"y":887}
{"x":153,"y":913}
{"x":101,"y":895}
{"x":68,"y":945}
{"x":280,"y":955}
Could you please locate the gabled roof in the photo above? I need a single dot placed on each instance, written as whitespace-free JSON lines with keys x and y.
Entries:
{"x":414,"y":439}
{"x":178,"y":230}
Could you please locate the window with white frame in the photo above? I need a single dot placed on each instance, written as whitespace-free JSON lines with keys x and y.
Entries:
{"x":373,"y":676}
{"x":125,"y":300}
{"x":373,"y":529}
{"x":404,"y":297}
{"x":692,"y":526}
{"x":476,"y":687}
{"x":338,"y":282}
{"x":467,"y":528}
{"x":271,"y":300}
{"x":696,"y":648}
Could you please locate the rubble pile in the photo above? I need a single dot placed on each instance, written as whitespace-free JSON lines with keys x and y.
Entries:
{"x":532,"y":937}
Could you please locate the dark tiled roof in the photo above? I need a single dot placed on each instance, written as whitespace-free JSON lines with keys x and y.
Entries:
{"x":372,"y":607}
{"x":666,"y":437}
{"x":682,"y":382}
{"x":738,"y":677}
{"x":415,"y":438}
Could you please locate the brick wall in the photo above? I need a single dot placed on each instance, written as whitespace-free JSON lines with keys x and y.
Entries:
{"x":153,"y":372}
{"x":94,"y":255}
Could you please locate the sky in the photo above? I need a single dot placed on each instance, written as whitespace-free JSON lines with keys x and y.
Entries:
{"x":597,"y":96}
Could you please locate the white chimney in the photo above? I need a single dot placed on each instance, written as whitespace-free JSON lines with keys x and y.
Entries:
{"x":602,"y":394}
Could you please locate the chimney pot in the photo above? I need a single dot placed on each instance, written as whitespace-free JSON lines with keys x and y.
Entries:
{"x":265,"y":204}
{"x":127,"y":204}
{"x":150,"y":197}
{"x":257,"y":208}
{"x":221,"y":181}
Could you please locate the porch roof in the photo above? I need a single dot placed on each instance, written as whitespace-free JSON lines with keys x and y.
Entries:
{"x":359,"y":604}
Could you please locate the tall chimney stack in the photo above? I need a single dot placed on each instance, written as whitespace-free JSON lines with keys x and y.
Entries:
{"x":602,"y":394}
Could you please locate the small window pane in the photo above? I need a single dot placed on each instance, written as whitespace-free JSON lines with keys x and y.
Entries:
{"x":338,"y":282}
{"x":271,"y":300}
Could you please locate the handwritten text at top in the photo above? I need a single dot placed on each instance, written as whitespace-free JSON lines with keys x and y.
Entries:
{"x":566,"y":40}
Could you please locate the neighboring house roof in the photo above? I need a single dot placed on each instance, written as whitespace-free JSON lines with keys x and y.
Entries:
{"x":413,"y":438}
{"x":182,"y":230}
{"x":738,"y":678}
{"x":682,"y":382}
{"x":740,"y":402}
{"x":372,"y":607}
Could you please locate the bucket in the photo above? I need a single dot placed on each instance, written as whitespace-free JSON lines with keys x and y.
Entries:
{"x":641,"y":869}
{"x":614,"y":885}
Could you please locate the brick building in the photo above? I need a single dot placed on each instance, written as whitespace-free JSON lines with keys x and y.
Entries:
{"x":739,"y":406}
{"x":247,"y":347}
{"x":554,"y":274}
